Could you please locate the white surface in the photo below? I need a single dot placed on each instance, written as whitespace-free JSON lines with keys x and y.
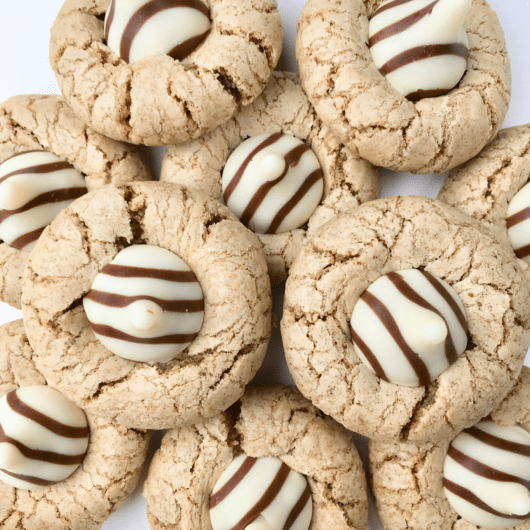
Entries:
{"x":25,"y":69}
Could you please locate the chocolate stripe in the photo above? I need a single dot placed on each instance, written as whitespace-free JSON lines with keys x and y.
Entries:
{"x":43,"y":456}
{"x":292,"y":159}
{"x":297,"y":508}
{"x":499,"y":443}
{"x":182,"y":50}
{"x":370,"y":357}
{"x":518,"y":217}
{"x":286,"y":209}
{"x":406,"y":290}
{"x":27,"y":238}
{"x":265,"y":500}
{"x":57,"y":427}
{"x":400,"y":25}
{"x":384,"y":315}
{"x":522,"y":252}
{"x":49,"y":197}
{"x":236,"y":478}
{"x":423,"y":52}
{"x":113,"y":333}
{"x":110,"y":18}
{"x":390,"y":5}
{"x":39,"y":169}
{"x":32,"y":480}
{"x":425,"y":94}
{"x":483,"y":470}
{"x":144,"y":13}
{"x":120,"y":300}
{"x":455,"y":308}
{"x":470,"y":497}
{"x":273,"y":138}
{"x":126,"y":271}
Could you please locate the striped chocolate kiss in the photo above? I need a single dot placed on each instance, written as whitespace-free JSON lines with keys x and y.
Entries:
{"x":420,"y":46}
{"x":273,"y":183}
{"x":518,"y":223}
{"x":408,"y":327}
{"x":146,"y":305}
{"x":486,"y":475}
{"x":260,"y":494}
{"x":34,"y":187}
{"x":43,"y":437}
{"x":138,"y":28}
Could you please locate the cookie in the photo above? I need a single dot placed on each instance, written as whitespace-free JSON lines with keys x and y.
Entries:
{"x":480,"y":475}
{"x":364,"y":111}
{"x":46,"y":126}
{"x":106,"y":477}
{"x":268,"y":422}
{"x":346,"y":256}
{"x":282,"y":108}
{"x":200,"y":381}
{"x":160,"y":100}
{"x":485,"y":186}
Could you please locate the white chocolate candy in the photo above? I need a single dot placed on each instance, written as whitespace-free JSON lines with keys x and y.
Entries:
{"x":420,"y":46}
{"x":146,"y":305}
{"x":138,"y":28}
{"x":273,"y":183}
{"x":408,"y":327}
{"x":518,"y":223}
{"x":43,"y":437}
{"x":487,"y":473}
{"x":34,"y":187}
{"x":260,"y":494}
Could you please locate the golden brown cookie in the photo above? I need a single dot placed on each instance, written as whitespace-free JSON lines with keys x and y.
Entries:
{"x":484,"y":186}
{"x":277,"y":422}
{"x":160,"y":100}
{"x":358,"y":104}
{"x":407,"y":480}
{"x":282,"y":107}
{"x":210,"y":374}
{"x":38,"y":122}
{"x":337,"y":265}
{"x":106,"y":477}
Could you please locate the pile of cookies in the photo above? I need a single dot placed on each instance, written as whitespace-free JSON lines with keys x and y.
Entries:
{"x":147,"y":299}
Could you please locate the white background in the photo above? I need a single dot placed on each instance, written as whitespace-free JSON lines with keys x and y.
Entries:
{"x":24,"y":69}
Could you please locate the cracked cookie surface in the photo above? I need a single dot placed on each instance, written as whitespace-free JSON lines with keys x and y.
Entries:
{"x":406,"y":479}
{"x":484,"y":186}
{"x":344,"y":257}
{"x":362,"y":109}
{"x":159,"y":100}
{"x":275,"y":421}
{"x":46,"y":122}
{"x":282,"y":107}
{"x":106,"y":477}
{"x":226,"y":258}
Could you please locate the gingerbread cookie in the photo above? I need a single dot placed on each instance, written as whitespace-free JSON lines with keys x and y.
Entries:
{"x":48,"y":158}
{"x":353,"y":97}
{"x":275,"y":462}
{"x":477,"y":480}
{"x":118,"y":77}
{"x":306,"y":175}
{"x":333,"y":273}
{"x":162,"y":389}
{"x":106,"y":475}
{"x":493,"y":188}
